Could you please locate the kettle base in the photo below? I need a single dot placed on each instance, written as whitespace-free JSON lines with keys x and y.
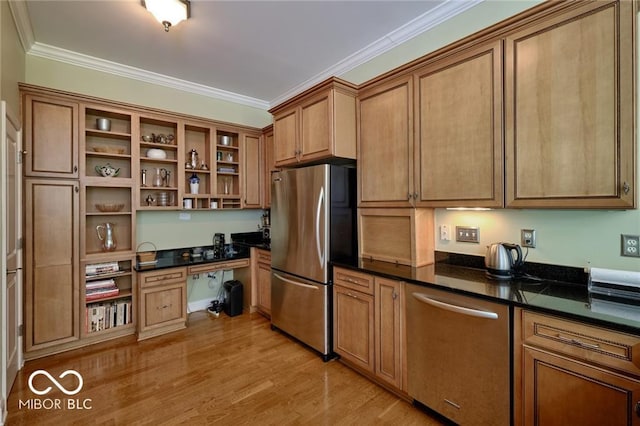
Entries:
{"x":499,"y":275}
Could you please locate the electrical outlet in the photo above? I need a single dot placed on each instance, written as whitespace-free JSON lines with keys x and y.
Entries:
{"x":630,"y":245}
{"x":467,"y":234}
{"x":445,"y":233}
{"x":528,"y":238}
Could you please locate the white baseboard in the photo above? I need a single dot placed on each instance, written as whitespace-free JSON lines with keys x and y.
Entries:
{"x":199,"y":305}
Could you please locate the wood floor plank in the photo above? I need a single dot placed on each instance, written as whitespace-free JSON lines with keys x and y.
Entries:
{"x":218,"y":370}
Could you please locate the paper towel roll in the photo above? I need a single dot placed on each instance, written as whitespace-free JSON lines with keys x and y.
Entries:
{"x":615,"y":276}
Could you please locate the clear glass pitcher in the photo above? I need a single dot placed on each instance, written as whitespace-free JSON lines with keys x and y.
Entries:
{"x":106,"y":234}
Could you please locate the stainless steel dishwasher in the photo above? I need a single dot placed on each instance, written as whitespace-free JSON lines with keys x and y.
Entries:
{"x":458,"y":359}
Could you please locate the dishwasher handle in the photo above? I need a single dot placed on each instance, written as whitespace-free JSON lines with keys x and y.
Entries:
{"x":454,"y":308}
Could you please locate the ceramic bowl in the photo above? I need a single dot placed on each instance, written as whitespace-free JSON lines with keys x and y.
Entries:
{"x":156,"y":153}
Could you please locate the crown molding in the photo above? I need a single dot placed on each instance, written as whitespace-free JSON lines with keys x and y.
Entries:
{"x":417,"y":26}
{"x":97,"y":64}
{"x":422,"y":23}
{"x":23,"y":23}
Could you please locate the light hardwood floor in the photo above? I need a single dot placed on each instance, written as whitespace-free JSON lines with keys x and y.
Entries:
{"x":219,"y":370}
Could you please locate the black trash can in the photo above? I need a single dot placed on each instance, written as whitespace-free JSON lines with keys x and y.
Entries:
{"x":232,"y":297}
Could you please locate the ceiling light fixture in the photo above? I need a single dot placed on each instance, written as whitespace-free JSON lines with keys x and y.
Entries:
{"x":168,"y":12}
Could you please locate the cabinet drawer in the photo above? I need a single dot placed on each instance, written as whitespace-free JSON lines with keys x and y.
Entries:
{"x":166,"y":276}
{"x":353,"y":280}
{"x":217,"y":266}
{"x":585,"y":342}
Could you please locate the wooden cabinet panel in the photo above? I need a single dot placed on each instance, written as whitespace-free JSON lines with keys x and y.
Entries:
{"x":264,"y":287}
{"x":353,"y":280}
{"x":385,"y":144}
{"x":51,"y":137}
{"x":353,"y":332}
{"x":285,"y":129}
{"x":569,"y":109}
{"x":52,"y":263}
{"x":318,"y":124}
{"x":163,"y":302}
{"x":459,"y":154}
{"x":389,"y":326}
{"x":252,"y":172}
{"x":268,"y":164}
{"x":315,"y":124}
{"x":560,"y":391}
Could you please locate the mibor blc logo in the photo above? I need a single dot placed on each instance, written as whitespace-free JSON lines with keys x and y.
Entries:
{"x":55,"y":403}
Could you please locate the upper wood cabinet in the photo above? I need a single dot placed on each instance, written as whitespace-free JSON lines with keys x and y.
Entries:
{"x":458,"y":130}
{"x":385,"y":144}
{"x":570,"y":109}
{"x":51,"y":137}
{"x":268,"y":165}
{"x":252,"y":172}
{"x":316,"y":125}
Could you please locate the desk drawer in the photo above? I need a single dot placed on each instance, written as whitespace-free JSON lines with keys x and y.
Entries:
{"x":162,"y":277}
{"x":217,"y":266}
{"x":585,"y":342}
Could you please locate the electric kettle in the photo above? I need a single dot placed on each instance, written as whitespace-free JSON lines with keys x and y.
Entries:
{"x":500,"y":262}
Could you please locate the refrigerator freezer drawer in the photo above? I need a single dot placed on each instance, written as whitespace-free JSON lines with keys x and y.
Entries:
{"x":300,"y":308}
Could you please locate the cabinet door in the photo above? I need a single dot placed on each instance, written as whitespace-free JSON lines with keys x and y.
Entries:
{"x":385,"y":144}
{"x":252,"y":172}
{"x":569,"y":116}
{"x":560,"y":391}
{"x":388,"y":332}
{"x":264,"y":287}
{"x":285,"y":133}
{"x":316,"y":124}
{"x":51,"y":137}
{"x":267,"y":166}
{"x":459,"y":155}
{"x":52,"y":263}
{"x":353,"y":327}
{"x":163,"y":306}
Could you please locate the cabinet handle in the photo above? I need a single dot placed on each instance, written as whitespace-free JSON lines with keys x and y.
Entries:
{"x":352,"y":281}
{"x":636,"y":408}
{"x":352,"y":295}
{"x":415,"y":195}
{"x":577,"y":342}
{"x":626,"y":188}
{"x":75,"y":169}
{"x":76,"y":189}
{"x":164,"y":307}
{"x":394,"y":295}
{"x":409,"y":196}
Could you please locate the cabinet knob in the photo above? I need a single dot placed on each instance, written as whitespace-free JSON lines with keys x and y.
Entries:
{"x":75,"y":169}
{"x":394,"y":295}
{"x":76,"y":189}
{"x":626,"y":188}
{"x":636,"y":408}
{"x":409,"y":196}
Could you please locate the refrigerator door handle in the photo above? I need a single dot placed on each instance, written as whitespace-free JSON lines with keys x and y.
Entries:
{"x":318,"y":211}
{"x":280,"y":277}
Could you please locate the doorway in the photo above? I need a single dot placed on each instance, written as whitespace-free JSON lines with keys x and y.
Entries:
{"x":11,"y":249}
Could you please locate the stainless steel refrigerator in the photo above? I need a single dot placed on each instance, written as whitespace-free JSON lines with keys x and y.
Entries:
{"x":313,"y":222}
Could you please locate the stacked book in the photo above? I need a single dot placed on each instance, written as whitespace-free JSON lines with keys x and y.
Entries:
{"x":103,"y":316}
{"x":101,"y":289}
{"x":101,"y":268}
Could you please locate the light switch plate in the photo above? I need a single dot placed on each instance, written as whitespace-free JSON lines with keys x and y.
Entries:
{"x":467,"y":234}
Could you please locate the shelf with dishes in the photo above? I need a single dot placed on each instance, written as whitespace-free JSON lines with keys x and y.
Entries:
{"x":106,"y":142}
{"x":106,"y":223}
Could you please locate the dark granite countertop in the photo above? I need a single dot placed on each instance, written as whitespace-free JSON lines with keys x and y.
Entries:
{"x":175,"y":258}
{"x":565,"y":298}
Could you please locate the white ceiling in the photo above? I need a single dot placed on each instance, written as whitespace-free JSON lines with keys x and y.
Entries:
{"x":254,"y":52}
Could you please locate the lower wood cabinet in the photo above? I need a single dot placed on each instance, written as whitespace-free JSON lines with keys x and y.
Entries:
{"x":263,"y":281}
{"x":163,"y":302}
{"x":571,"y":373}
{"x":369,"y":325}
